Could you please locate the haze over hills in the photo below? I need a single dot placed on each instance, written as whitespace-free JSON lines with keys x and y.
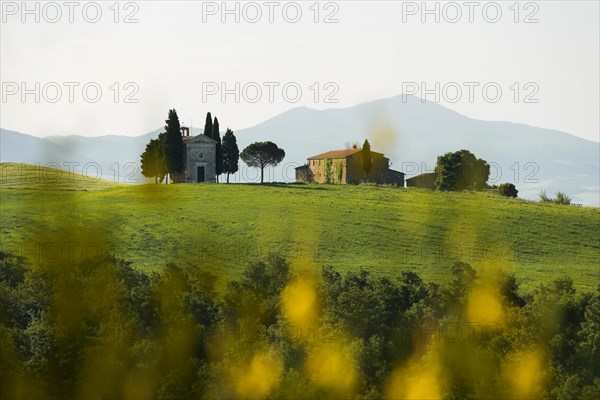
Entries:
{"x":412,"y":133}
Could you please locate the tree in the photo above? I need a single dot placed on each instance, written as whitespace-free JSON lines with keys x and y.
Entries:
{"x":173,"y":144}
{"x":474,"y":172}
{"x":446,"y":171}
{"x":544,"y":197}
{"x":562,"y":198}
{"x":328,"y":171}
{"x":463,"y":279}
{"x":340,"y":171}
{"x":208,"y":125}
{"x":216,"y":135}
{"x":262,"y":154}
{"x":589,"y":334}
{"x":461,"y":170}
{"x":153,"y":159}
{"x":148,"y":164}
{"x":367,"y":160}
{"x":231,"y":153}
{"x":508,"y":189}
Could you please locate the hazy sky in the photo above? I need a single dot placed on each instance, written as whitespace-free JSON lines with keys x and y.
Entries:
{"x":178,"y":54}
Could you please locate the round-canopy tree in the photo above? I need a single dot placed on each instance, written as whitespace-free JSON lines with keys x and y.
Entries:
{"x":262,"y":154}
{"x":461,"y":170}
{"x":153,"y":159}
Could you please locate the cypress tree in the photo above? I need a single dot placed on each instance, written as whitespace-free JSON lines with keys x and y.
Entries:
{"x":367,"y":160}
{"x":216,"y":135}
{"x":231,"y":153}
{"x":173,"y":144}
{"x":208,"y":125}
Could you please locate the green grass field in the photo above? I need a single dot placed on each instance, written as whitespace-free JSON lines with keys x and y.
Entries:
{"x":222,"y":227}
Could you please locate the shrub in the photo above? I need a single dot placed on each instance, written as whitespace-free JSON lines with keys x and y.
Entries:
{"x":328,"y":172}
{"x":562,"y":198}
{"x":544,"y":197}
{"x":508,"y":190}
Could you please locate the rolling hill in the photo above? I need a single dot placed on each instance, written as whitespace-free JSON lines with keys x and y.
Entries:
{"x":38,"y":177}
{"x":221,"y":228}
{"x":412,"y":133}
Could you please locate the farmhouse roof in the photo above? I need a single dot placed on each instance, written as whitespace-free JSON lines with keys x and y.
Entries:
{"x":422,"y":176}
{"x":335,"y":154}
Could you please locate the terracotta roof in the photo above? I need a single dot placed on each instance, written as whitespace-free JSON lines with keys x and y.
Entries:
{"x":335,"y":154}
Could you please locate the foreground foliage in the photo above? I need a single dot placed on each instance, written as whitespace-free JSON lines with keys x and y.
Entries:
{"x":103,"y":329}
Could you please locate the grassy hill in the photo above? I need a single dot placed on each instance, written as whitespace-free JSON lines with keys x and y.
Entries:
{"x":223,"y":227}
{"x":27,"y":176}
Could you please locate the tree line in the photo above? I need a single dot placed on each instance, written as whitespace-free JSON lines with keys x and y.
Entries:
{"x":104,"y":329}
{"x":164,"y":156}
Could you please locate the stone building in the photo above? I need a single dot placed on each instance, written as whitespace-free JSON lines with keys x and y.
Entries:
{"x":199,"y":158}
{"x":425,"y":180}
{"x":350,"y":163}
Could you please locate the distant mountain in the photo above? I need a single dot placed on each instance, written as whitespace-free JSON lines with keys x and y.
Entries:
{"x":20,"y":147}
{"x":412,"y":133}
{"x":113,"y":157}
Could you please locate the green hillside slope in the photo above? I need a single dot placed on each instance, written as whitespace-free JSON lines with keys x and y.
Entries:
{"x":27,"y":176}
{"x":385,"y":230}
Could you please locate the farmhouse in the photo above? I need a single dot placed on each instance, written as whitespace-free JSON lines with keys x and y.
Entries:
{"x":347,"y":165}
{"x":199,"y":158}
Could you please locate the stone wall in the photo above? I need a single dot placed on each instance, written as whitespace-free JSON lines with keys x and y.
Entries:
{"x":426,"y":181}
{"x":200,"y":152}
{"x":304,"y":174}
{"x":356,"y":173}
{"x":317,"y":168}
{"x":353,"y":172}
